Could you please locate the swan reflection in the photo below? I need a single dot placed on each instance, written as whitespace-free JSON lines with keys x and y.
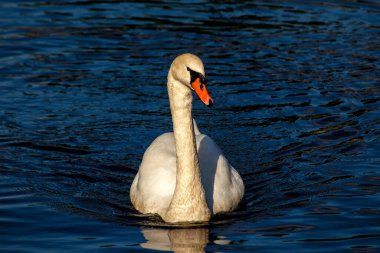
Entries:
{"x":178,"y":240}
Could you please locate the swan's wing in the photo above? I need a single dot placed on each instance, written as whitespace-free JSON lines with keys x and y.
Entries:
{"x":153,"y":186}
{"x":222,"y":183}
{"x":196,"y":129}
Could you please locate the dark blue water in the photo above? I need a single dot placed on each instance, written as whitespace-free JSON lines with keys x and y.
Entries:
{"x":83,"y":93}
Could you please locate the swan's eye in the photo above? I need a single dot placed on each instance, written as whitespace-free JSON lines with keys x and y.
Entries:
{"x":194,"y":75}
{"x":203,"y":79}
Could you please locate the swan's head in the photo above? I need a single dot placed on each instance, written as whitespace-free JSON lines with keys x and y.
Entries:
{"x":188,"y":69}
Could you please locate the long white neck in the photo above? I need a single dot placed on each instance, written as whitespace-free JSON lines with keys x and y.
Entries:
{"x":189,"y":200}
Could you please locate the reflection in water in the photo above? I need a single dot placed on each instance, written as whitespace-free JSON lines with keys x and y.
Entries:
{"x":179,"y":240}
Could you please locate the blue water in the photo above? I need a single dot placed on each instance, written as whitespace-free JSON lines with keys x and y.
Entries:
{"x":297,"y":98}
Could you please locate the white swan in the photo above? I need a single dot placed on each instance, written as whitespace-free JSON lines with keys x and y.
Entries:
{"x":184,"y":176}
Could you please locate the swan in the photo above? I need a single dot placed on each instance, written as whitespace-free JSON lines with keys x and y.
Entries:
{"x":184,"y":176}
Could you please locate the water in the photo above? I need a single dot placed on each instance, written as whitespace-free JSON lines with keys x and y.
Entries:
{"x":296,"y":91}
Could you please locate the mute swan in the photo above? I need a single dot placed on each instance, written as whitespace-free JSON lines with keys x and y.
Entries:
{"x":184,"y":176}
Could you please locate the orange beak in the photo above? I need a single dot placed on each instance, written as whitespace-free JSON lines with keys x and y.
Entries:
{"x":201,"y":90}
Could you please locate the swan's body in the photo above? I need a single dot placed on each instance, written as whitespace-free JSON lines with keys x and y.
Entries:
{"x":157,"y":176}
{"x":184,"y":177}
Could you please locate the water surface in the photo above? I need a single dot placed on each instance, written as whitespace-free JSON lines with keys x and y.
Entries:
{"x":296,"y":91}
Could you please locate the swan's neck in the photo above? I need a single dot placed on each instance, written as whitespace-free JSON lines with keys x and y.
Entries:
{"x":189,"y":201}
